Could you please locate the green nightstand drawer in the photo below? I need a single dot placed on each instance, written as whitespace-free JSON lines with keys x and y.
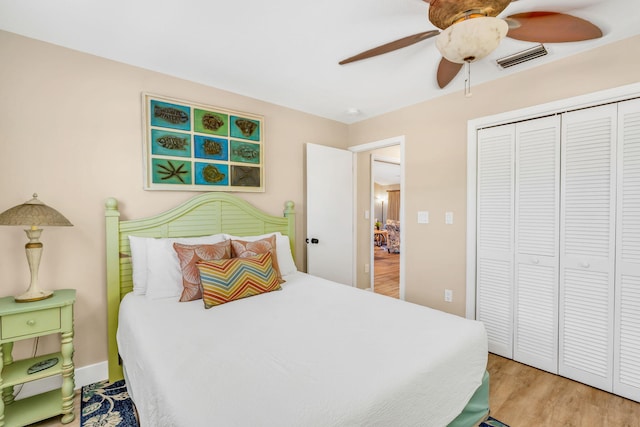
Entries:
{"x":35,"y":322}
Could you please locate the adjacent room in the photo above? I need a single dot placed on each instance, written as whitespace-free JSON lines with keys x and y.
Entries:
{"x":207,"y":193}
{"x":386,"y":232}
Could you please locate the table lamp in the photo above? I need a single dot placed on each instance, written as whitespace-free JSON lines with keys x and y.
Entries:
{"x":33,"y":213}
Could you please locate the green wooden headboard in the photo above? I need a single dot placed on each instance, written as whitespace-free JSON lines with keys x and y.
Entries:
{"x":201,"y":215}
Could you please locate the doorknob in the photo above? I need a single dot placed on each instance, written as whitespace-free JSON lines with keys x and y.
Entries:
{"x":313,"y":241}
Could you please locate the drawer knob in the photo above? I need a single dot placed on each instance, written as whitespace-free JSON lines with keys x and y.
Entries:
{"x":31,"y":322}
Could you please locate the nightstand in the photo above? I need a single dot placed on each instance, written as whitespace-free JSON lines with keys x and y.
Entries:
{"x":19,"y":321}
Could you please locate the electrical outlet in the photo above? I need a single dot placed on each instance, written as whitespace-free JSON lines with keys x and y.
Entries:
{"x":366,"y":268}
{"x":448,"y":295}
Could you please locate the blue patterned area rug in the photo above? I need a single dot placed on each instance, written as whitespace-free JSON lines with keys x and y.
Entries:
{"x":107,"y":405}
{"x":492,"y":422}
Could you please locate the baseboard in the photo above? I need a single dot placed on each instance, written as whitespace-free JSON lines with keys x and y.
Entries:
{"x":83,"y":376}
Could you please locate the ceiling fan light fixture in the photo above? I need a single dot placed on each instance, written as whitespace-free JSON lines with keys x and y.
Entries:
{"x":471,"y":39}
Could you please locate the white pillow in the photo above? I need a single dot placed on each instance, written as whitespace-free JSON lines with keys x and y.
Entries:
{"x":283,"y":250}
{"x":139,"y":263}
{"x":285,"y":259}
{"x":154,"y":260}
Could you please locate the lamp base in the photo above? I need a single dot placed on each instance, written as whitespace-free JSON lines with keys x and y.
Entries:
{"x":33,"y":295}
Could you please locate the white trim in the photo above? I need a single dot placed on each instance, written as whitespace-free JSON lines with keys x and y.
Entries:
{"x":372,"y":205}
{"x":583,"y":101}
{"x":388,"y":142}
{"x":83,"y":376}
{"x":354,"y":219}
{"x":472,"y":170}
{"x":385,"y":159}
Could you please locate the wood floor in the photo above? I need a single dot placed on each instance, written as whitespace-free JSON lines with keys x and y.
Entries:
{"x":386,"y":272}
{"x":55,"y":421}
{"x":520,"y":395}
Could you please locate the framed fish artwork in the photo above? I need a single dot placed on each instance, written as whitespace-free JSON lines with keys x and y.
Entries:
{"x":195,"y":147}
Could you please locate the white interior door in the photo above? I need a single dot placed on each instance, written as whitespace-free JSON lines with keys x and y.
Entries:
{"x":495,"y":236}
{"x":587,"y":245}
{"x":330,"y":248}
{"x":537,"y":216}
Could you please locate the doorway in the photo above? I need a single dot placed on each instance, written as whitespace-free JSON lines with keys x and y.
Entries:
{"x":366,"y":235}
{"x":385,"y":175}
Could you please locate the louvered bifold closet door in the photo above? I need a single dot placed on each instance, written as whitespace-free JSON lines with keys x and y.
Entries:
{"x":627,"y":339}
{"x":587,"y":245}
{"x":537,"y":217}
{"x":494,"y":263}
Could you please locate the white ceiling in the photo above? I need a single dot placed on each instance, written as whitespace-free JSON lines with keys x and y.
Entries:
{"x":286,"y":51}
{"x":386,"y":173}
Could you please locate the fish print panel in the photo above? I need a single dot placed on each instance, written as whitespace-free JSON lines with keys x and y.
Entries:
{"x":244,"y":128}
{"x":212,"y":174}
{"x":165,"y":143}
{"x":245,"y":176}
{"x":208,"y":147}
{"x":211,"y":122}
{"x":245,"y":152}
{"x":164,"y":171}
{"x":166,"y":115}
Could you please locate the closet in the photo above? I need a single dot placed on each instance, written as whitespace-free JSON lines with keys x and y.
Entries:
{"x":558,"y":243}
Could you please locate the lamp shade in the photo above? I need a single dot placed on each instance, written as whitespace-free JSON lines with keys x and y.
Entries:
{"x":33,"y":213}
{"x":471,"y":39}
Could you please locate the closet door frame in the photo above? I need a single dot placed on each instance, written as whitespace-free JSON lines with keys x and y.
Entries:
{"x":626,"y":381}
{"x":617,"y":94}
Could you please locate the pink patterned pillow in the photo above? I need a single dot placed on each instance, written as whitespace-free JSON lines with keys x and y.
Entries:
{"x":189,"y":255}
{"x":244,"y":249}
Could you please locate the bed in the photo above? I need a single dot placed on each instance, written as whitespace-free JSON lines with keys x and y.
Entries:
{"x":312,"y":353}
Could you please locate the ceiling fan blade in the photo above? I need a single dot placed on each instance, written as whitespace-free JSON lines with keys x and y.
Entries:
{"x":550,"y":27}
{"x":447,"y":70}
{"x":391,"y":46}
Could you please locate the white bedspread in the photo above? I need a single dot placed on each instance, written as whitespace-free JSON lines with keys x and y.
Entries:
{"x":314,"y":354}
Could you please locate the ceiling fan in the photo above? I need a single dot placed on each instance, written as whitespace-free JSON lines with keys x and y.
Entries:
{"x":471,"y":31}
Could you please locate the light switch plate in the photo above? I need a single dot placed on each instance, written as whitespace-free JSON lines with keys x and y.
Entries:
{"x":423,"y":217}
{"x":448,"y":217}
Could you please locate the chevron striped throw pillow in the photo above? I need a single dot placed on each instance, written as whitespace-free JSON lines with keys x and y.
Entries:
{"x":227,"y":280}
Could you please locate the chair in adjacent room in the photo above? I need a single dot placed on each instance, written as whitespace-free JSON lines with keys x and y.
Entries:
{"x":393,"y":236}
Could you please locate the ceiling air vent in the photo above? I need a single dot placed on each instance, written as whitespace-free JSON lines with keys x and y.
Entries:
{"x":523,"y":56}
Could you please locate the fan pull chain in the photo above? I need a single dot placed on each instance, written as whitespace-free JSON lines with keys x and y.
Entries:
{"x":467,"y":81}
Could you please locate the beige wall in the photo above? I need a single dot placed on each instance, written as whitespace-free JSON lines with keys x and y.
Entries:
{"x":70,"y":130}
{"x":435,"y":160}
